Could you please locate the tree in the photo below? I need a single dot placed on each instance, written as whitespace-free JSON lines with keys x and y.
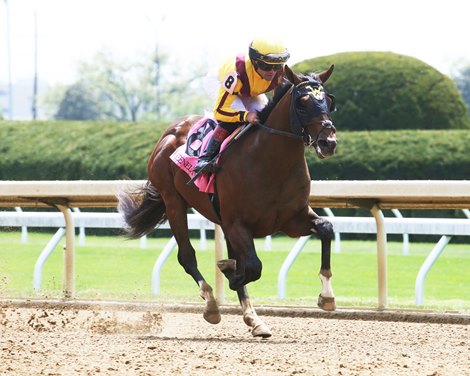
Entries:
{"x":123,"y":89}
{"x":151,"y":88}
{"x":77,"y":104}
{"x":183,"y":92}
{"x":462,"y":79}
{"x":384,"y":90}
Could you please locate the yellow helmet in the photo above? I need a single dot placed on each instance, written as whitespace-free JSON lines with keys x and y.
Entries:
{"x":269,"y":50}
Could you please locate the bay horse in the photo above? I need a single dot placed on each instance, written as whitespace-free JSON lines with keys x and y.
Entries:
{"x":262,"y":187}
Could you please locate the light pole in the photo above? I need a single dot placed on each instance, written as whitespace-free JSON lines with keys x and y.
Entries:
{"x":157,"y":60}
{"x":35,"y":81}
{"x":10,"y":89}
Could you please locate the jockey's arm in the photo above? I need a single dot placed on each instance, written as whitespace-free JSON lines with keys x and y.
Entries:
{"x":223,"y":109}
{"x":230,"y":107}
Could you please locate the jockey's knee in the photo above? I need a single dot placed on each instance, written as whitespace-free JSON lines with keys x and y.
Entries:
{"x":229,"y":127}
{"x":324,"y":228}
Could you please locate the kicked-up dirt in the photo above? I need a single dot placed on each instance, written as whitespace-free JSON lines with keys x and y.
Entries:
{"x":74,"y":339}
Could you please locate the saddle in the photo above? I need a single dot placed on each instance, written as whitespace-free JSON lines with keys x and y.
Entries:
{"x":186,"y":156}
{"x":196,"y":138}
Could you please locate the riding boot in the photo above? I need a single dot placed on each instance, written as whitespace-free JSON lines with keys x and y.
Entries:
{"x":212,"y":149}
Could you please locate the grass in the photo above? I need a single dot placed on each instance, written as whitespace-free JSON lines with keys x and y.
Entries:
{"x":114,"y":268}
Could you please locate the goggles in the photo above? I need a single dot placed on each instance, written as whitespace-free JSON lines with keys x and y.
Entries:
{"x":268,"y":67}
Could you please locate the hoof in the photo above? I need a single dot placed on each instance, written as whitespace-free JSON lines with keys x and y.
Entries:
{"x":262,"y":331}
{"x":326,"y":303}
{"x":229,"y":264}
{"x":212,"y":313}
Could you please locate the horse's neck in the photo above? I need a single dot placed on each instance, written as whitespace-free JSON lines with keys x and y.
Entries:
{"x":279,"y":118}
{"x":280,"y":149}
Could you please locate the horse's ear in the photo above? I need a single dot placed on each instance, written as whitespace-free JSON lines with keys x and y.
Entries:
{"x":291,"y":76}
{"x":325,"y":75}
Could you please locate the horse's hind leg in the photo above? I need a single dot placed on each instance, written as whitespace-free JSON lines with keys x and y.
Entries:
{"x":177,"y":217}
{"x":241,"y":249}
{"x":250,"y":317}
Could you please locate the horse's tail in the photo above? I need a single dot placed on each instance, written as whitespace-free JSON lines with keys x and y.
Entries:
{"x":142,"y":209}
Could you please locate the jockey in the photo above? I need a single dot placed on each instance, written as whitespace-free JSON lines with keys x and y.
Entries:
{"x":243,"y":83}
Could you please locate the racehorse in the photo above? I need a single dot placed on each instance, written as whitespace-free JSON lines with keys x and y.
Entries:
{"x":262,"y":187}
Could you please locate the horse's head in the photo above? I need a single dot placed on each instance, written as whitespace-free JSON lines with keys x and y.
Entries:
{"x":310,"y":111}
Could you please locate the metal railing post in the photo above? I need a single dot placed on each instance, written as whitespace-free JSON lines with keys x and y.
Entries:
{"x":406,"y":238}
{"x":337,"y":247}
{"x":157,"y":268}
{"x":428,"y":263}
{"x":282,"y":276}
{"x":381,"y":256}
{"x":46,"y":252}
{"x":69,"y":253}
{"x":24,"y":229}
{"x":81,"y":231}
{"x":219,"y":255}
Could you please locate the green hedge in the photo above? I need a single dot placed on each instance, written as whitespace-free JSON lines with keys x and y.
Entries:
{"x":95,"y":151}
{"x":406,"y":155}
{"x":383,"y":90}
{"x":76,"y":150}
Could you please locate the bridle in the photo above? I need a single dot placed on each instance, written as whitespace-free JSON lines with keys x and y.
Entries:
{"x":309,"y":141}
{"x":299,"y":119}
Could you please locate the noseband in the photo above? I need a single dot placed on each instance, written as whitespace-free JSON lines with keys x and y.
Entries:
{"x":309,"y":141}
{"x":300,"y":119}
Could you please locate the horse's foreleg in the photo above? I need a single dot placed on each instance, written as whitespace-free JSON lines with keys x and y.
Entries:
{"x":308,"y":223}
{"x":211,"y":310}
{"x":326,"y":299}
{"x":177,"y":217}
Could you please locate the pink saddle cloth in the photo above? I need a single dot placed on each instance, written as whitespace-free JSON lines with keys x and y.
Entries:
{"x":186,"y":156}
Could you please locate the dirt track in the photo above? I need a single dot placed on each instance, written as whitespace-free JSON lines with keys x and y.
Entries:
{"x":51,"y":339}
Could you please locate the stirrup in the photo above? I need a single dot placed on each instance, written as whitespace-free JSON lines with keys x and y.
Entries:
{"x":208,"y":166}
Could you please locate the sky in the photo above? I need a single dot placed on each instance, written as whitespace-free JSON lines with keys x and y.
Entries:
{"x":71,"y":31}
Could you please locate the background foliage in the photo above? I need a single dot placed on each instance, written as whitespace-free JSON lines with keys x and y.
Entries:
{"x":462,"y":79}
{"x":376,"y":90}
{"x":384,"y":90}
{"x":116,"y":150}
{"x":76,"y":150}
{"x":148,"y":88}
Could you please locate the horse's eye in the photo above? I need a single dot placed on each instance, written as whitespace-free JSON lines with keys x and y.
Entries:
{"x":302,"y":103}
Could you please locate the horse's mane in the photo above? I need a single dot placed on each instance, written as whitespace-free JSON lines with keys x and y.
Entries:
{"x":278,"y":94}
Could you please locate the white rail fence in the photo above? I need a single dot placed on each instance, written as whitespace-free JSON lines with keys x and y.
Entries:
{"x":364,"y":225}
{"x":82,"y":220}
{"x":371,"y":195}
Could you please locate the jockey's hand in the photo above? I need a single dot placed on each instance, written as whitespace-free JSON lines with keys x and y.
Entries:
{"x":252,"y":117}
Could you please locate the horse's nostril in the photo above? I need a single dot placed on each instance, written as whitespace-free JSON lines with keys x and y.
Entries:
{"x":327,"y":143}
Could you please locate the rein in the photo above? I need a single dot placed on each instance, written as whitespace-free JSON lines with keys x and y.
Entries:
{"x":278,"y":132}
